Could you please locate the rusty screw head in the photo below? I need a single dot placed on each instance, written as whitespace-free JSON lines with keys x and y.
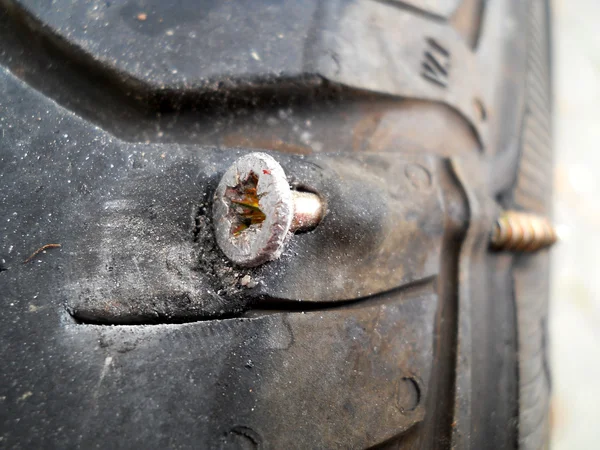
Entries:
{"x":255,"y":210}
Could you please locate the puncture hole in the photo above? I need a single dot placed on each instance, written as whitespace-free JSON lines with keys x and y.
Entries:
{"x":244,"y":209}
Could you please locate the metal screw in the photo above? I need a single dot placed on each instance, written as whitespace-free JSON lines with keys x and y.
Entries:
{"x":520,"y":231}
{"x":255,"y":210}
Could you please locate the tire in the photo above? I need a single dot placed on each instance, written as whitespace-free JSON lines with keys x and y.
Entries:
{"x":392,"y":324}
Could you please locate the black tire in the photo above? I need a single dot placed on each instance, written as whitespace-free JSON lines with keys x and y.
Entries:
{"x":391,"y":325}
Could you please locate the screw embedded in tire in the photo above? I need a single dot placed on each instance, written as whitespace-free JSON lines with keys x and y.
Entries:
{"x":255,"y":210}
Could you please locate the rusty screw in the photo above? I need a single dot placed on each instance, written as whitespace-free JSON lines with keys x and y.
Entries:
{"x":524,"y":232}
{"x":254,"y":210}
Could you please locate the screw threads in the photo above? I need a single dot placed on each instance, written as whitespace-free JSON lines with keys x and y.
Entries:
{"x":524,"y":232}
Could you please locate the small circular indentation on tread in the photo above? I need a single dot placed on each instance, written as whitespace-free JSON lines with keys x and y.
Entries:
{"x":409,"y":394}
{"x":419,"y":176}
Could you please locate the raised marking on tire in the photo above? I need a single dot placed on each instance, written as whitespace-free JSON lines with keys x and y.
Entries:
{"x":436,"y":63}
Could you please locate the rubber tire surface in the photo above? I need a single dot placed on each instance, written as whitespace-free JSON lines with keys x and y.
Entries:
{"x":457,"y":353}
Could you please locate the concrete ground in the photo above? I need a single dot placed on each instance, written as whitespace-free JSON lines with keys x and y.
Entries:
{"x":575,"y":299}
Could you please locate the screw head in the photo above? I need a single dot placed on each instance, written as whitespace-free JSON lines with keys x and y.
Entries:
{"x":253,"y":210}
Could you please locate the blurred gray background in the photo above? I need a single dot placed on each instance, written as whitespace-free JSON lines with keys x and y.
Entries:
{"x":575,"y":298}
